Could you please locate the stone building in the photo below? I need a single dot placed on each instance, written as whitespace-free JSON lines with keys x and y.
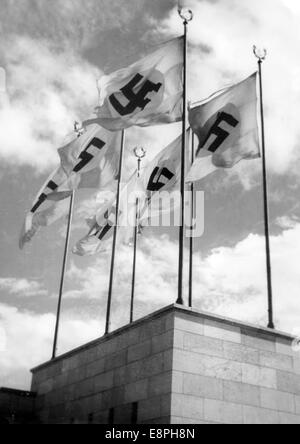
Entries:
{"x":17,"y":407}
{"x":177,"y":366}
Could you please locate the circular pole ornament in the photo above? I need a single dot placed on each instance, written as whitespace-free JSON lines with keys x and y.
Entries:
{"x":140,"y":153}
{"x":260,"y":54}
{"x":186,"y":14}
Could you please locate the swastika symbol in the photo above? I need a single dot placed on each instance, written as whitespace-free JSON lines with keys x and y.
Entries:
{"x":137,"y":99}
{"x":155,"y":182}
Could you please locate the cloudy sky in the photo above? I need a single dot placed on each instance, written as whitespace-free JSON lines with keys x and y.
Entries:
{"x":53,"y":53}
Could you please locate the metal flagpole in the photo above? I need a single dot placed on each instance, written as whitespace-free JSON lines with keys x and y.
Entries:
{"x":139,"y":154}
{"x":261,"y":56}
{"x":192,"y":190}
{"x":114,"y":244}
{"x":62,"y":281}
{"x":187,"y":16}
{"x":78,"y":131}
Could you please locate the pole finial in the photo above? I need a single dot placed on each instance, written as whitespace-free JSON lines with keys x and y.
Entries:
{"x":260,"y":54}
{"x":140,"y":153}
{"x":186,"y":14}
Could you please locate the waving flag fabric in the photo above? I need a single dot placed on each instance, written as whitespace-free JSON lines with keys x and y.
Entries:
{"x":162,"y":174}
{"x":90,"y":161}
{"x":146,"y":93}
{"x":227,"y":128}
{"x":102,"y":225}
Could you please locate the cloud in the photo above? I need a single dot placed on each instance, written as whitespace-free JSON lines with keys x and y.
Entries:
{"x":229,"y":282}
{"x":27,"y":337}
{"x":47,"y":89}
{"x":226,"y":281}
{"x":221,"y":37}
{"x":22,"y":287}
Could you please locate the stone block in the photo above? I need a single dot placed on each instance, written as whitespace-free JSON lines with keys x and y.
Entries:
{"x":296,"y":365}
{"x":163,"y":342}
{"x":188,"y":323}
{"x":288,"y":419}
{"x":187,"y":406}
{"x":123,"y":414}
{"x":121,"y":376}
{"x":136,"y":391}
{"x":160,"y":384}
{"x":112,"y":398}
{"x":276,"y":361}
{"x":95,"y":368}
{"x":240,"y":353}
{"x":238,"y":393}
{"x":129,"y":338}
{"x":259,"y":376}
{"x":177,"y":382}
{"x":139,"y":351}
{"x":223,"y":412}
{"x":116,"y":360}
{"x":288,"y":382}
{"x":258,"y":340}
{"x":221,"y":331}
{"x":284,"y":347}
{"x":202,"y":386}
{"x":149,"y":409}
{"x":151,"y":328}
{"x":202,"y":345}
{"x":297,"y":404}
{"x":103,"y":382}
{"x":84,"y":388}
{"x":255,"y":415}
{"x":275,"y":400}
{"x":204,"y":365}
{"x":46,"y":387}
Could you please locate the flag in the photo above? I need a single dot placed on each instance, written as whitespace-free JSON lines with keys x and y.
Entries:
{"x":103,"y":223}
{"x":161,"y":174}
{"x":227,"y":128}
{"x":147,"y":93}
{"x":89,"y":161}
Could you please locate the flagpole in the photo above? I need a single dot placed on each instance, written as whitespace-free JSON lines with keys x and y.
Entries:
{"x":62,"y":281}
{"x":139,"y":154}
{"x":187,"y":16}
{"x":114,"y":244}
{"x":261,"y":56}
{"x":192,"y":190}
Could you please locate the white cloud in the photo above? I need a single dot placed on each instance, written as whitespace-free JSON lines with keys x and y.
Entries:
{"x":228,"y":281}
{"x":28,"y":341}
{"x":22,"y":287}
{"x":47,"y":90}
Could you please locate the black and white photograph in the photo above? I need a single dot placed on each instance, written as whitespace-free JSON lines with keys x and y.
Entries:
{"x":149,"y":215}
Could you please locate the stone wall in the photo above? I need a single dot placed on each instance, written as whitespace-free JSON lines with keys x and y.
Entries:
{"x":175,"y":366}
{"x":16,"y":407}
{"x":122,"y":379}
{"x":224,"y":372}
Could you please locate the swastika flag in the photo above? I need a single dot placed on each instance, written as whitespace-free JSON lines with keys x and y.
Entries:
{"x":103,"y":223}
{"x":147,"y":93}
{"x":89,"y":161}
{"x":227,"y":128}
{"x":162,"y":174}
